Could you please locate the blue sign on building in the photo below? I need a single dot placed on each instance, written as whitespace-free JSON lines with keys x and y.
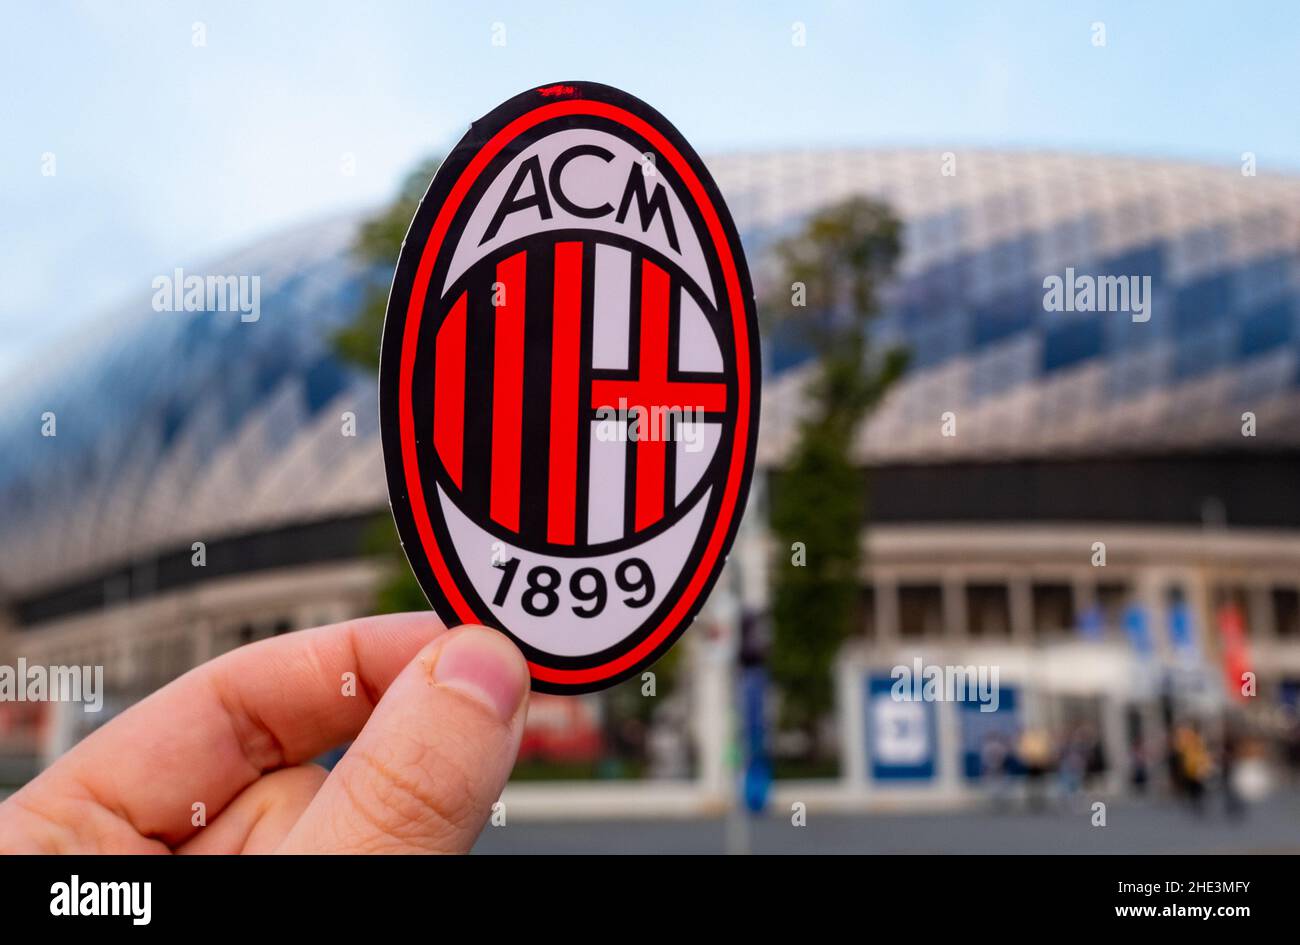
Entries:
{"x":902,"y":736}
{"x":980,"y":728}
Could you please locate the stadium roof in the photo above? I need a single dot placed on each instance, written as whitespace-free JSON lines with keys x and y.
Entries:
{"x":175,"y":427}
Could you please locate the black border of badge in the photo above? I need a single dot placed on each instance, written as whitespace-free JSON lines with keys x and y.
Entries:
{"x":391,"y":356}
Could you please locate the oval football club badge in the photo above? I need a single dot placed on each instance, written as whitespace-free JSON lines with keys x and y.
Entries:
{"x":569,"y":384}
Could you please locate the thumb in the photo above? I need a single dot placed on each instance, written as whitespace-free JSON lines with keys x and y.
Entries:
{"x":425,"y":771}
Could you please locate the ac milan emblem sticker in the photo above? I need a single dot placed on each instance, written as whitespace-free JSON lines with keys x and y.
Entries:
{"x":569,"y":384}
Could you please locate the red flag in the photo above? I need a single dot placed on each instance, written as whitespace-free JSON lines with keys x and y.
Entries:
{"x":1236,"y":652}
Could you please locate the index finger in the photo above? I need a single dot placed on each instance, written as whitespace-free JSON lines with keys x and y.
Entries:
{"x":212,"y":732}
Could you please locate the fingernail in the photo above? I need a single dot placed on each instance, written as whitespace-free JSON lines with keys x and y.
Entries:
{"x":484,"y":665}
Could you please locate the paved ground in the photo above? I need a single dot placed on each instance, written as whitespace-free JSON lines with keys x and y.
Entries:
{"x":1133,"y":827}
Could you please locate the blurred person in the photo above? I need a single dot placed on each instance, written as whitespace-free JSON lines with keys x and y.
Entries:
{"x":1034,"y":751}
{"x":1082,"y":762}
{"x":1177,"y":781}
{"x":1194,"y":764}
{"x":1234,"y":804}
{"x":1253,"y":780}
{"x":1139,"y":774}
{"x":1072,"y":765}
{"x":995,"y":763}
{"x":434,"y":715}
{"x":1095,"y":766}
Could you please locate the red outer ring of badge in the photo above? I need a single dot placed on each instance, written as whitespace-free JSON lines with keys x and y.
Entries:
{"x":740,"y":301}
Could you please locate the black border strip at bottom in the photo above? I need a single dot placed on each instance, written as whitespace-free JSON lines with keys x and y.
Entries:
{"x":972,"y":894}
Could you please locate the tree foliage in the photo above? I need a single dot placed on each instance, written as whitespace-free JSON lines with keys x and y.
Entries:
{"x":835,"y":265}
{"x":377,"y":246}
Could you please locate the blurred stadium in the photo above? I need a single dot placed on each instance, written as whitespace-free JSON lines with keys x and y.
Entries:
{"x":1170,"y":447}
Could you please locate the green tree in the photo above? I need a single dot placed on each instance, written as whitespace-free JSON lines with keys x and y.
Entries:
{"x":834,"y":268}
{"x":378,"y":244}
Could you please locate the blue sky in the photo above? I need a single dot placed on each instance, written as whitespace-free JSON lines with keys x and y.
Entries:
{"x":169,"y":153}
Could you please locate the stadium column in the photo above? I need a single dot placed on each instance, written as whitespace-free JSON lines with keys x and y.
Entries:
{"x":1149,"y":591}
{"x":711,"y":664}
{"x":949,"y":749}
{"x":850,"y":672}
{"x":1114,"y":739}
{"x":1152,"y":593}
{"x":955,"y":634}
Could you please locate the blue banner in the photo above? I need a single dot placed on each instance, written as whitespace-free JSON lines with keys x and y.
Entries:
{"x":1135,"y":628}
{"x":902,"y":735}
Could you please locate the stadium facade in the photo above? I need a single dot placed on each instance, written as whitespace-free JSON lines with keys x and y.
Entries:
{"x":1023,"y":449}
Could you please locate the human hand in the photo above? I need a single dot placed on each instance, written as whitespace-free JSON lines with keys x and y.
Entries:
{"x":436,"y":716}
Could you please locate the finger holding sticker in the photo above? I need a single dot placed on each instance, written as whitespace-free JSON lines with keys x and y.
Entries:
{"x":570,"y":383}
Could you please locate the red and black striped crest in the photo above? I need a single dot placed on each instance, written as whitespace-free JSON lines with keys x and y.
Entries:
{"x":569,"y":383}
